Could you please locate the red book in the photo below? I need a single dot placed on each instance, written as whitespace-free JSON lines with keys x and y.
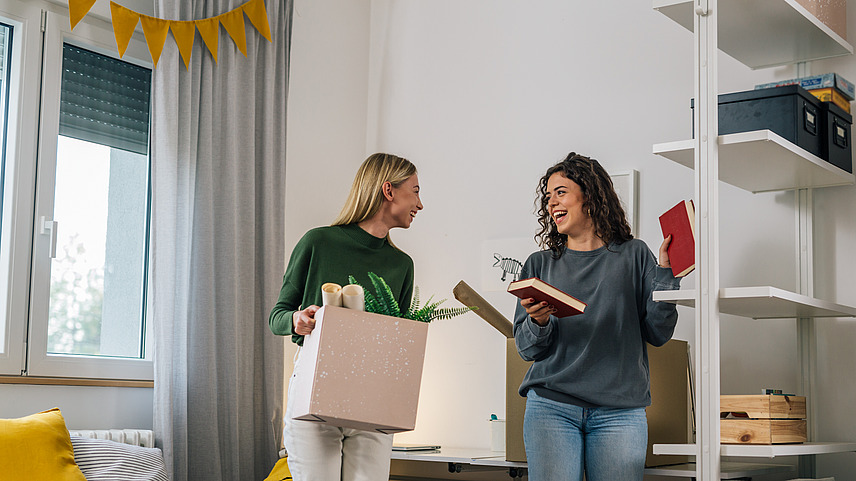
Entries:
{"x":679,"y":222}
{"x":534,"y":288}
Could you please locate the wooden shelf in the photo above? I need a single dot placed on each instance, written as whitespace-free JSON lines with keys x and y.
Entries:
{"x":762,"y":161}
{"x":760,"y":450}
{"x":762,"y":302}
{"x":764,"y":33}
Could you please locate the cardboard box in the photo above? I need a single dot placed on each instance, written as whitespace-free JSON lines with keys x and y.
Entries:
{"x":670,"y":414}
{"x":669,"y":418}
{"x":830,"y":94}
{"x":833,"y":13}
{"x":515,"y":370}
{"x":360,"y":370}
{"x":812,"y":82}
{"x":515,"y":404}
{"x":762,"y":431}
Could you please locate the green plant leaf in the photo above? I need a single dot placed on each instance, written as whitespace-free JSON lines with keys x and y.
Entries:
{"x":384,"y":302}
{"x":384,"y":296}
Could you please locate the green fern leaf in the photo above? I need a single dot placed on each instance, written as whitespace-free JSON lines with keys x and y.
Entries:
{"x":384,"y":296}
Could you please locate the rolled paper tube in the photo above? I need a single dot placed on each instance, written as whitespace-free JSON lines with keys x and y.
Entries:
{"x":331,"y":294}
{"x":353,"y":297}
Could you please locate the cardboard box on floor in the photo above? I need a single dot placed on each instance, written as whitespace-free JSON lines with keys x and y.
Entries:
{"x":360,"y":370}
{"x":669,"y":419}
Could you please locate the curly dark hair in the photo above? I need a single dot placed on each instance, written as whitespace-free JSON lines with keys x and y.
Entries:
{"x":600,"y":201}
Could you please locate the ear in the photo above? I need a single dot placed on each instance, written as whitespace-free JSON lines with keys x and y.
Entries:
{"x":386,"y":188}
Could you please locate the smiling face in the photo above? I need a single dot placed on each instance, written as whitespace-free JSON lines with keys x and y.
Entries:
{"x":565,"y":205}
{"x":405,"y":203}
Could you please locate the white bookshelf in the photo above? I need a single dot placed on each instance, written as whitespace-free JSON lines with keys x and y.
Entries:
{"x":762,"y":302}
{"x":764,"y":33}
{"x":760,"y":450}
{"x":759,"y":34}
{"x":762,"y":161}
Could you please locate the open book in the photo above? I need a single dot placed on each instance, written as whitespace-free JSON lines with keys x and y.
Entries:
{"x":565,"y":304}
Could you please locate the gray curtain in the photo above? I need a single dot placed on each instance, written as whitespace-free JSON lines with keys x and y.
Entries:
{"x":218,"y":174}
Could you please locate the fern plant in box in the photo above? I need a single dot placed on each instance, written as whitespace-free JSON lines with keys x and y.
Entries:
{"x":383,"y":302}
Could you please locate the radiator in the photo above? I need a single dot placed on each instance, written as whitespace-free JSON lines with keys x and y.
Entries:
{"x":136,"y":437}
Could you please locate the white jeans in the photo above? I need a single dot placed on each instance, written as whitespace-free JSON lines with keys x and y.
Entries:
{"x":318,"y":452}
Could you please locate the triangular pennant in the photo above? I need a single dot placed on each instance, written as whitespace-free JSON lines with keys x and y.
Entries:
{"x":209,"y":30}
{"x":255,"y":10}
{"x":124,"y":23}
{"x":77,"y":9}
{"x":234,"y":23}
{"x":155,"y":30}
{"x":184,"y":33}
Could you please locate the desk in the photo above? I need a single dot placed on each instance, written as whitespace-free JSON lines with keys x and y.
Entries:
{"x":469,"y":459}
{"x":465,"y":459}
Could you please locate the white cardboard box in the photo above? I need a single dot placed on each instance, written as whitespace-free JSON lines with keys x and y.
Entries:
{"x":360,"y":370}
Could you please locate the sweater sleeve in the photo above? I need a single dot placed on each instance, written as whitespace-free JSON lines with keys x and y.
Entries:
{"x":532,"y":341}
{"x":658,"y":318}
{"x":281,"y":318}
{"x":406,"y":295}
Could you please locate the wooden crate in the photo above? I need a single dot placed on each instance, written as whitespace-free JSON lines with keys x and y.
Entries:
{"x":764,"y":406}
{"x":762,"y":431}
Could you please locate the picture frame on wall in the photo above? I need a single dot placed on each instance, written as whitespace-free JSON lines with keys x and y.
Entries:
{"x":626,"y":186}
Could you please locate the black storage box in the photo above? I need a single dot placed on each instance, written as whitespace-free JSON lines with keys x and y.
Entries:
{"x":790,"y":111}
{"x":835,"y":136}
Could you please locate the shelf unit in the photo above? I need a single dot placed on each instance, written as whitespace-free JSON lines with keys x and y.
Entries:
{"x":758,"y":33}
{"x":761,"y":450}
{"x":764,"y":33}
{"x":762,"y":302}
{"x":762,"y":161}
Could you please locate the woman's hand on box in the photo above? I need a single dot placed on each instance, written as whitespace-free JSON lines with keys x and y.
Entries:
{"x":304,"y":321}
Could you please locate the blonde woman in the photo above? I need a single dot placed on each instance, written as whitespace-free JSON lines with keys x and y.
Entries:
{"x":384,"y":195}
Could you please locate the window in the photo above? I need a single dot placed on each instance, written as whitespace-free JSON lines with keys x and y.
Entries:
{"x":100,"y":208}
{"x":88,"y":224}
{"x":5,"y":58}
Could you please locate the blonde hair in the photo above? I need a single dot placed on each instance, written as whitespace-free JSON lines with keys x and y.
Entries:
{"x":366,"y":196}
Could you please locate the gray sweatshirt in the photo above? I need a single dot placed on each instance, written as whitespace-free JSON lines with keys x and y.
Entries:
{"x":598,"y":358}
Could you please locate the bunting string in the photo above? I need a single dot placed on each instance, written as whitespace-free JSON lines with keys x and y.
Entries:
{"x":156,"y":30}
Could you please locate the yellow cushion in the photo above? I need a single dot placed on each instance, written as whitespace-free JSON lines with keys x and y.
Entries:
{"x":280,"y":471}
{"x":37,"y":447}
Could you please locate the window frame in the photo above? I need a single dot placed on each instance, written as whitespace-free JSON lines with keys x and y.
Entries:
{"x":31,"y":281}
{"x":19,"y":182}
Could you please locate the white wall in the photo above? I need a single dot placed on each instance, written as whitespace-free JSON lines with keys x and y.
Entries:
{"x":483,"y":95}
{"x":83,"y":407}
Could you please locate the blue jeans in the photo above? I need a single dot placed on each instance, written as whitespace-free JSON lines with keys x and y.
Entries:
{"x":563,"y":441}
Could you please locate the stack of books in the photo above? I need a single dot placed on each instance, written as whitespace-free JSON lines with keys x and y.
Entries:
{"x":828,"y":87}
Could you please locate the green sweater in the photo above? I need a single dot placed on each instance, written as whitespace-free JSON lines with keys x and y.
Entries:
{"x":331,"y":254}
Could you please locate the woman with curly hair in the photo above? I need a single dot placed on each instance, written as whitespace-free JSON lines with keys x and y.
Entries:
{"x":588,"y":386}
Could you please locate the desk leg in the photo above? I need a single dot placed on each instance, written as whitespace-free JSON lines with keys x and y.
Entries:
{"x":516,"y":472}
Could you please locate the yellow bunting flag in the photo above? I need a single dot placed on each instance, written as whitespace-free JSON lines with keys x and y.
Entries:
{"x":155,"y":30}
{"x":255,"y":10}
{"x":77,"y":9}
{"x":233,"y":22}
{"x":124,"y":23}
{"x":209,"y":30}
{"x":184,"y":32}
